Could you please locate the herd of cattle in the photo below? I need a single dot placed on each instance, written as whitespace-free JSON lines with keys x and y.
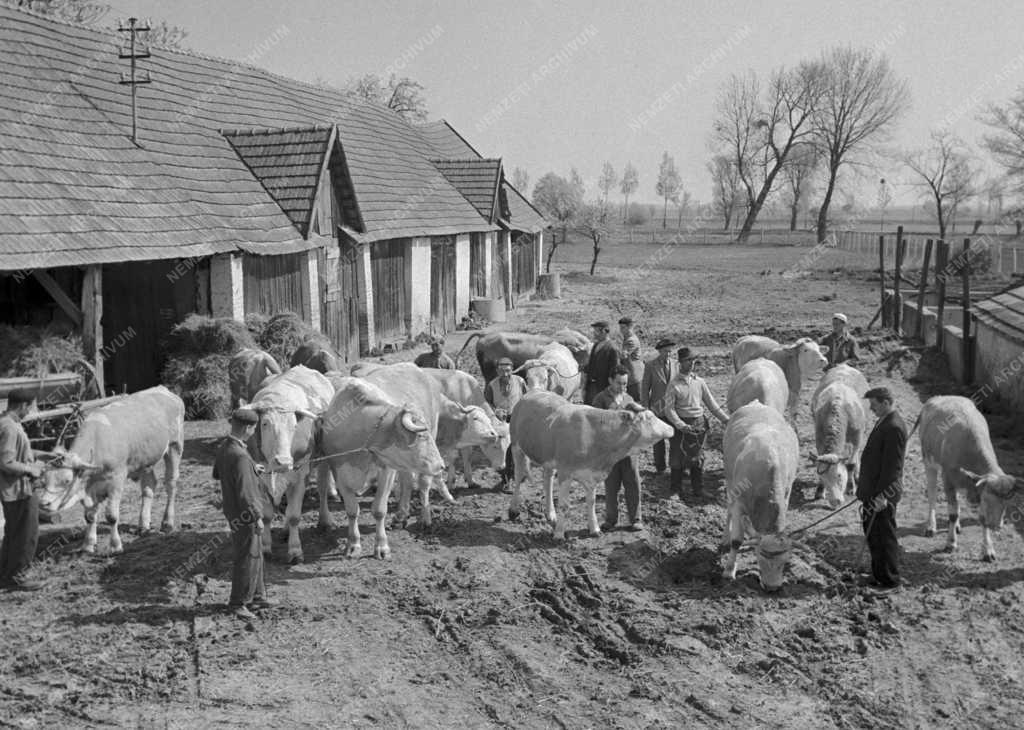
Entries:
{"x":379,"y":423}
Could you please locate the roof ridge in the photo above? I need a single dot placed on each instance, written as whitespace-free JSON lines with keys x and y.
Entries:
{"x":253,"y":131}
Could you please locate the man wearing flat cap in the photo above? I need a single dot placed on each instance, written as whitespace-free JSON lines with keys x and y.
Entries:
{"x":604,"y":358}
{"x":244,"y":503}
{"x":502,"y":394}
{"x":880,"y":486}
{"x":631,"y":359}
{"x":685,"y":399}
{"x":20,"y":505}
{"x":840,"y":343}
{"x":437,"y":357}
{"x":658,"y":373}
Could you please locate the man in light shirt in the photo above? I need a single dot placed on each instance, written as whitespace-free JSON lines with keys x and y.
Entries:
{"x":685,"y":399}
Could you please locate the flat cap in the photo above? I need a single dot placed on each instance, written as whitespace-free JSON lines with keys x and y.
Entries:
{"x":505,"y":361}
{"x":436,"y":340}
{"x":840,"y":316}
{"x":880,"y":393}
{"x":245,"y":415}
{"x":625,"y":320}
{"x":602,"y":323}
{"x":685,"y":353}
{"x":20,"y":395}
{"x":663,"y":343}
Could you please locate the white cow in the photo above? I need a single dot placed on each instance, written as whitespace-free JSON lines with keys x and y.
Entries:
{"x":760,"y":452}
{"x":840,"y":430}
{"x":554,"y":369}
{"x":799,"y":361}
{"x":121,"y":440}
{"x":762,"y":380}
{"x":955,"y":438}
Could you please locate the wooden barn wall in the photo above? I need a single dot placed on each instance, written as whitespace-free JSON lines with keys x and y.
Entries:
{"x":390,"y":306}
{"x":524,"y":262}
{"x":24,"y":301}
{"x":478,"y":265}
{"x":442,"y":283}
{"x":340,"y":298}
{"x":275,"y":284}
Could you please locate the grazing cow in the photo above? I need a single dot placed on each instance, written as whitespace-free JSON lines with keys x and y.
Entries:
{"x":762,"y":380}
{"x":799,"y":361}
{"x":955,"y":438}
{"x":316,"y":355}
{"x":248,"y":369}
{"x":288,"y":406}
{"x":579,"y":442}
{"x":554,"y":369}
{"x":520,"y":347}
{"x":121,"y":440}
{"x":366,"y":428}
{"x":840,"y":431}
{"x":760,"y":452}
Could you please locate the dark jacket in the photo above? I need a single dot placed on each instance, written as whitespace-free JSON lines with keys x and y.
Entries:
{"x":604,"y":358}
{"x":881,"y":464}
{"x":240,"y":486}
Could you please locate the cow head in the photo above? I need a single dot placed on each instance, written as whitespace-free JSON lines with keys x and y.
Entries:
{"x":496,"y":449}
{"x":277,"y":431}
{"x":405,"y":443}
{"x":577,"y":343}
{"x":772,"y":555}
{"x":538,"y":375}
{"x":810,"y":356}
{"x":70,"y":480}
{"x":649,"y":427}
{"x":833,"y":473}
{"x":995,"y":490}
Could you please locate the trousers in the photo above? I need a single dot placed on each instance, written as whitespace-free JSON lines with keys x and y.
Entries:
{"x":21,"y":537}
{"x":659,"y":456}
{"x":247,"y":571}
{"x":687,"y":449}
{"x":625,"y":476}
{"x":880,"y":531}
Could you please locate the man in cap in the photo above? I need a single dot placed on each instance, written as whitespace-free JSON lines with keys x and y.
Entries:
{"x":436,"y":358}
{"x":20,"y":505}
{"x":625,"y":473}
{"x":631,"y":357}
{"x":244,"y":503}
{"x":880,"y":486}
{"x":658,"y":373}
{"x":502,"y":394}
{"x":840,"y":343}
{"x":604,"y":358}
{"x":685,"y":399}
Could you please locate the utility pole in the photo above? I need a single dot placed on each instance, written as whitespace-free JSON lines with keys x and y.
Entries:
{"x":133,"y":52}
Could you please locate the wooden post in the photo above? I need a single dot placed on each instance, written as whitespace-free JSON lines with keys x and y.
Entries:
{"x":92,"y":321}
{"x":881,"y":279}
{"x":941,"y":259}
{"x":919,"y":329}
{"x":965,"y":273}
{"x":897,"y":313}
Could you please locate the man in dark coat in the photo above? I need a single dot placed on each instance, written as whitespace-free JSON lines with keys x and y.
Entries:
{"x":20,"y":505}
{"x":604,"y":358}
{"x":880,"y":486}
{"x":243,"y":507}
{"x":625,"y":474}
{"x":658,"y":373}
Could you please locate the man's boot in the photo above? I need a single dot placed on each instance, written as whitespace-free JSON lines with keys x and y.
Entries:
{"x":697,"y":480}
{"x":676,"y":484}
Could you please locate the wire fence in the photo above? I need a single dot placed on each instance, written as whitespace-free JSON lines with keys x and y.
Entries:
{"x":1005,"y":259}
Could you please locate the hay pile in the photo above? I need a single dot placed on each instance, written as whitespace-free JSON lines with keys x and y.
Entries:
{"x":283,"y":335}
{"x":36,"y":351}
{"x":199,"y":350}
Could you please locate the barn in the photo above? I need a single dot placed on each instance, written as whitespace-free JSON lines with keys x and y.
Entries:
{"x":999,"y":346}
{"x":240,"y":192}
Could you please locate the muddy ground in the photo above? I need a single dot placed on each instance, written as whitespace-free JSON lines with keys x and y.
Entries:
{"x":480,"y":622}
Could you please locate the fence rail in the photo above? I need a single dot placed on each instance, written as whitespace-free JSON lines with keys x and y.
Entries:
{"x":1005,"y":259}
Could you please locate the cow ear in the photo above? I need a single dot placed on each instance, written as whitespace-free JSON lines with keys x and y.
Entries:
{"x":242,"y":402}
{"x":970,"y":474}
{"x":823,"y":349}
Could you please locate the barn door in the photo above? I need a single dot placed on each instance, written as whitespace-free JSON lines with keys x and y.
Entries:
{"x":524,"y":263}
{"x":442,"y":283}
{"x":390,"y":310}
{"x":477,"y":265}
{"x":341,"y":299}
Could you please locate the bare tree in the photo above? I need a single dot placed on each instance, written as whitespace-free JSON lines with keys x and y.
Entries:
{"x":1006,"y":143}
{"x":520,"y":179}
{"x":797,"y":176}
{"x":681,"y":200}
{"x":725,"y":187}
{"x":164,"y":35}
{"x":593,"y":222}
{"x":560,"y":200}
{"x":78,"y":12}
{"x":608,"y":180}
{"x":401,"y":95}
{"x":667,"y":185}
{"x":862,"y":102}
{"x":947,"y":175}
{"x":630,"y":182}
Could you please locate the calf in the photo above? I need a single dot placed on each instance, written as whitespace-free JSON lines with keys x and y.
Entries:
{"x":840,"y":431}
{"x":799,"y":361}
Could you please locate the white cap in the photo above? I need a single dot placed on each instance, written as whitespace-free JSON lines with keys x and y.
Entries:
{"x":840,"y":316}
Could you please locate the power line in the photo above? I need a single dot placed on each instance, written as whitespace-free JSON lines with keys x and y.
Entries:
{"x":133,"y":27}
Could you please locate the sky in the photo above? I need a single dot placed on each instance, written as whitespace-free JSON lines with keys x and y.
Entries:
{"x":547,"y":86}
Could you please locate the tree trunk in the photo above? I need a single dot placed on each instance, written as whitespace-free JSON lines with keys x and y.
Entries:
{"x":728,"y":218}
{"x":822,"y":231}
{"x":793,"y":216}
{"x":597,"y":252}
{"x":679,"y":226}
{"x":551,"y":249}
{"x":664,"y":215}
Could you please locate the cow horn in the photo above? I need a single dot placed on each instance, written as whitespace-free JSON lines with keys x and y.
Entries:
{"x":305,"y":413}
{"x":970,"y":474}
{"x":410,"y":422}
{"x":75,"y":461}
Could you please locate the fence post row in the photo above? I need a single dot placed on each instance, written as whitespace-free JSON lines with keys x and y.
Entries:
{"x":922,"y":285}
{"x":897,"y":315}
{"x":965,"y":277}
{"x":941,"y":258}
{"x":881,"y":280}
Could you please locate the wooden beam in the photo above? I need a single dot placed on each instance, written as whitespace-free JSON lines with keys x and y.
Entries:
{"x":919,"y":329}
{"x":965,"y":272}
{"x":941,"y":261}
{"x":897,"y":313}
{"x":54,"y":290}
{"x":92,"y":321}
{"x":881,"y":279}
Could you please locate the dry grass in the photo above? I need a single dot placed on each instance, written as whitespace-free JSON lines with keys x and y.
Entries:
{"x":36,"y":351}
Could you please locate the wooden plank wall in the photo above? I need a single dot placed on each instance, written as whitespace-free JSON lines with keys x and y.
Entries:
{"x":275,"y":284}
{"x":390,"y":308}
{"x":442,"y":283}
{"x":524,"y":262}
{"x":477,"y":265}
{"x":340,"y":310}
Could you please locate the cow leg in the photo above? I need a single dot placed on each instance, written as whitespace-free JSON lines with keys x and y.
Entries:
{"x":549,"y":494}
{"x":114,"y":511}
{"x":296,"y":487}
{"x":466,"y":455}
{"x":172,"y":463}
{"x":147,"y":480}
{"x":380,"y":513}
{"x":931,"y":481}
{"x":324,"y":484}
{"x":988,"y":551}
{"x":351,"y":499}
{"x":444,"y":486}
{"x":90,"y":539}
{"x":522,"y":474}
{"x":954,"y":511}
{"x":423,"y":482}
{"x":404,"y":495}
{"x":562,"y":513}
{"x":590,"y":489}
{"x":734,"y":537}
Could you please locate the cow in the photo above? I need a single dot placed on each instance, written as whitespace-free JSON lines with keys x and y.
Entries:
{"x":554,"y":369}
{"x":578,"y":442}
{"x":799,"y":361}
{"x":762,"y":380}
{"x":316,"y":355}
{"x":121,"y":440}
{"x":365,"y":428}
{"x":520,"y":347}
{"x":840,"y":431}
{"x":760,"y":452}
{"x":248,"y":369}
{"x":288,"y":404}
{"x":955,"y":438}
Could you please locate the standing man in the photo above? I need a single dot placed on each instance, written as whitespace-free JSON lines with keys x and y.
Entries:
{"x":685,"y":399}
{"x":631,"y":357}
{"x":243,"y":504}
{"x":604,"y":358}
{"x":20,"y":505}
{"x":436,"y":358}
{"x":840,"y":343}
{"x":658,"y":373}
{"x":502,"y":394}
{"x":625,"y":473}
{"x":880,"y":487}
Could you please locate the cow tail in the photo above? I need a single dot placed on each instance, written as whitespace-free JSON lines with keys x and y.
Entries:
{"x":464,"y":346}
{"x":917,"y":422}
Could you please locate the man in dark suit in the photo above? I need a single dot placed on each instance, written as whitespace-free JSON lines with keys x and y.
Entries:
{"x":880,"y":487}
{"x":604,"y":358}
{"x":658,"y":372}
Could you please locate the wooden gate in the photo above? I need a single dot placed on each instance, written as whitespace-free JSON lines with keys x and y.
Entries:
{"x":390,"y":308}
{"x":524,"y":263}
{"x":478,"y":265}
{"x":340,"y":297}
{"x":275,"y":284}
{"x":442,"y":283}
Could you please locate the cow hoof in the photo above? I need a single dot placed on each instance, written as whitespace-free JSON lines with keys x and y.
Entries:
{"x":382,"y":553}
{"x":957,"y":528}
{"x":929,"y":532}
{"x":283,"y":537}
{"x":295,"y":560}
{"x":950,"y":548}
{"x":166,"y":527}
{"x":325,"y":526}
{"x":595,"y":533}
{"x":353,"y":551}
{"x":116,"y":550}
{"x":513,"y":515}
{"x":988,"y":557}
{"x":267,"y":555}
{"x":729,"y":574}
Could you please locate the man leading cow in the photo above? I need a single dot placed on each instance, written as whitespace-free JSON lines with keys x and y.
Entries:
{"x":625,"y":474}
{"x":502,"y":394}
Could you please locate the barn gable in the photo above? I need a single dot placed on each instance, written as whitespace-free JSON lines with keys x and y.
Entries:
{"x":479,"y":181}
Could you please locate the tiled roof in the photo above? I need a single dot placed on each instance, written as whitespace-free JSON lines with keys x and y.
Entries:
{"x":1004,"y":313}
{"x":446,"y":141}
{"x":477,"y":179}
{"x":74,"y":189}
